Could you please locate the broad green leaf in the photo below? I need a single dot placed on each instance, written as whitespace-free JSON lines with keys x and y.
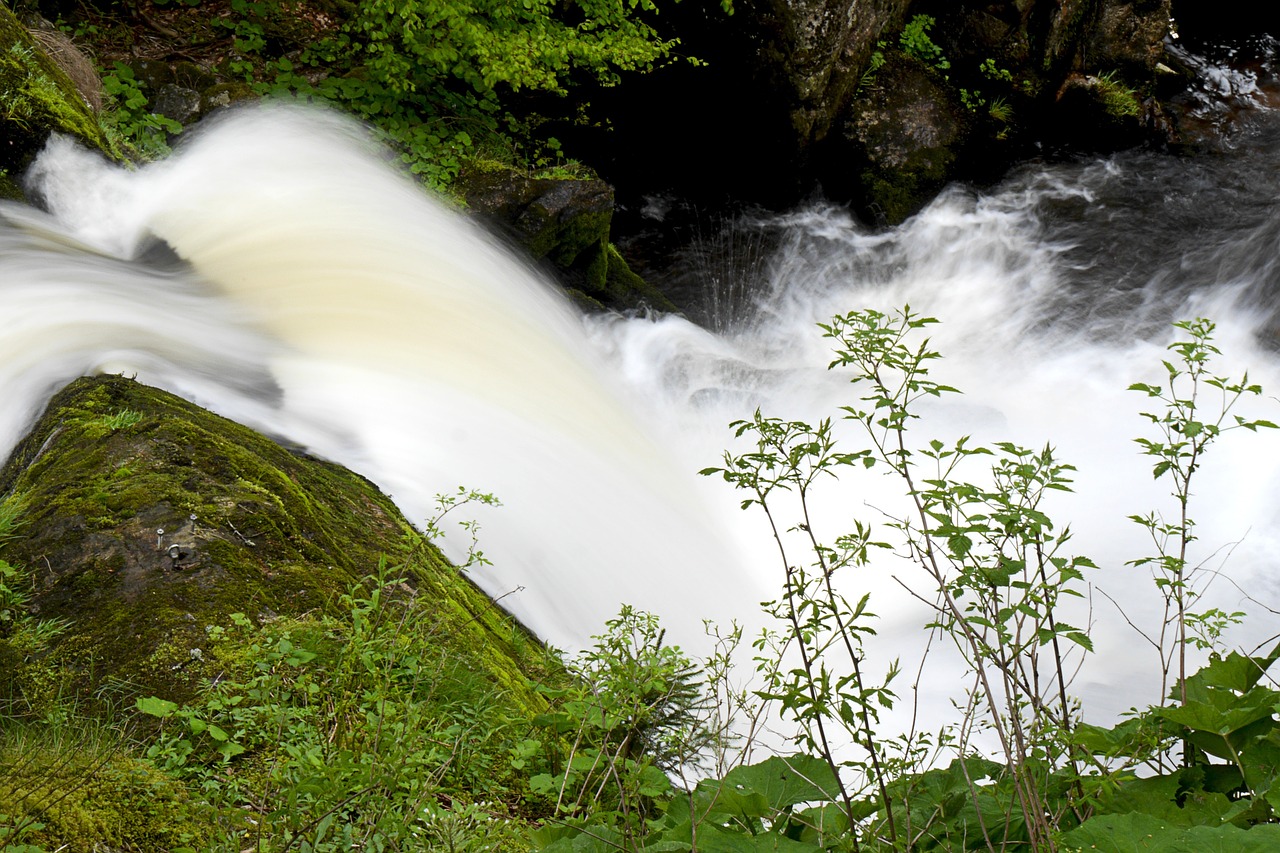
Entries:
{"x":1165,"y":797}
{"x":787,"y":781}
{"x":1139,"y":833}
{"x":1235,"y":672}
{"x":230,"y":750}
{"x":715,"y":839}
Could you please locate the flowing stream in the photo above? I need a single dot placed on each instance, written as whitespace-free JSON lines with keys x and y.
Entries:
{"x":279,"y":271}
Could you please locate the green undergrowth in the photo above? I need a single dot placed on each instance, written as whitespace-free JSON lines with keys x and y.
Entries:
{"x":36,"y":96}
{"x":445,"y":82}
{"x":73,"y":784}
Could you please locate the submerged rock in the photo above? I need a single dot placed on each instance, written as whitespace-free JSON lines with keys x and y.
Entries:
{"x":146,"y":519}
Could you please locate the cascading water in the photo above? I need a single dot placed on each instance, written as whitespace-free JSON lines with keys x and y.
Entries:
{"x":317,"y":295}
{"x":350,"y":313}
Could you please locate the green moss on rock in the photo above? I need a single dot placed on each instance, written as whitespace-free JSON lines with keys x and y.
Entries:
{"x":566,"y":222}
{"x":72,"y":788}
{"x":248,"y":526}
{"x":36,"y":97}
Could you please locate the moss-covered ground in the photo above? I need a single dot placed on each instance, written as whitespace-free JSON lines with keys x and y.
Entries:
{"x":150,"y":527}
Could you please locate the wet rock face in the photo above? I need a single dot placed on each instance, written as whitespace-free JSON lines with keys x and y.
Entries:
{"x":1126,"y":37}
{"x":902,"y":140}
{"x":556,"y":219}
{"x":787,"y":103}
{"x":815,"y":52}
{"x":567,"y":222}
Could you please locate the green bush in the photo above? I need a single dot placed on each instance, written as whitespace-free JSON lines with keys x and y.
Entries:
{"x":440,"y":77}
{"x":345,"y":730}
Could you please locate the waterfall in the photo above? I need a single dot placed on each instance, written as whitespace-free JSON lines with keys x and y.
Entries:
{"x":281,"y":271}
{"x":357,"y":316}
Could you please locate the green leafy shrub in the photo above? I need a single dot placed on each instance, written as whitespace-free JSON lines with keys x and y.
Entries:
{"x":439,"y":77}
{"x":634,"y":713}
{"x":127,"y":119}
{"x":916,"y":42}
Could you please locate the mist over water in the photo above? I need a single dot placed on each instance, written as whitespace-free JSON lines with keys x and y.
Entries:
{"x":279,"y":271}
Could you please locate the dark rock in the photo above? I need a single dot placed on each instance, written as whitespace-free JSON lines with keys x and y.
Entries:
{"x":151,"y":74}
{"x":557,"y":219}
{"x":189,"y":75}
{"x":565,"y":222}
{"x":176,"y":102}
{"x":222,"y":95}
{"x":183,"y":91}
{"x":1126,"y":38}
{"x":906,"y":134}
{"x":814,"y":52}
{"x":612,"y":283}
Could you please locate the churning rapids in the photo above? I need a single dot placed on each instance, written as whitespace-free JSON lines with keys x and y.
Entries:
{"x":278,"y":271}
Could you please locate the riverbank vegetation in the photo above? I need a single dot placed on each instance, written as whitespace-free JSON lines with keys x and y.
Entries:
{"x":360,"y":726}
{"x":445,"y":82}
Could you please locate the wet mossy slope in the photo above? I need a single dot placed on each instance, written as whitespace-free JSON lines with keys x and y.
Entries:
{"x":147,"y":519}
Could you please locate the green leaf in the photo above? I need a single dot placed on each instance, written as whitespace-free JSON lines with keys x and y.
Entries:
{"x":156,"y":707}
{"x":230,"y":750}
{"x":1140,"y":833}
{"x":787,"y":781}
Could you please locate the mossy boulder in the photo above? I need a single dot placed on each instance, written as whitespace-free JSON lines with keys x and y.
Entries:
{"x":148,"y":519}
{"x":561,"y":219}
{"x":907,"y":133}
{"x":36,"y":98}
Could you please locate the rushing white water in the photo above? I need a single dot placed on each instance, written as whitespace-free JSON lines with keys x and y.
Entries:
{"x":322,"y":297}
{"x":349,"y":312}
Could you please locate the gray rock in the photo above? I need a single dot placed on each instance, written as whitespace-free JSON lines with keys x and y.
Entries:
{"x":176,"y":102}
